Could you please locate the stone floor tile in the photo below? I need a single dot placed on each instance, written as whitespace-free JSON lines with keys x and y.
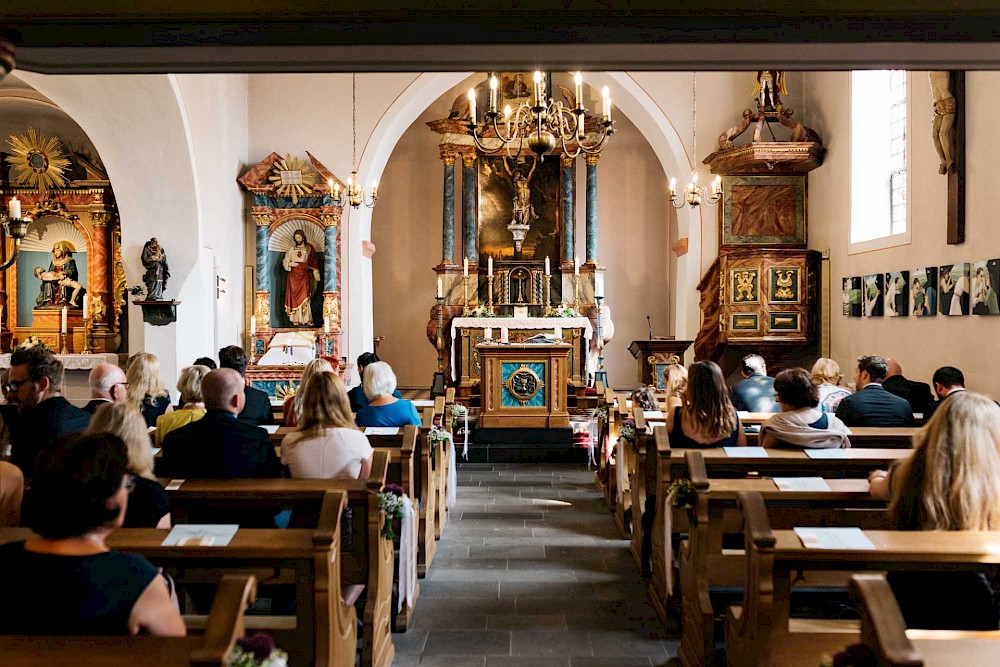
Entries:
{"x":556,"y":643}
{"x":410,"y":642}
{"x":498,"y":661}
{"x":467,"y":642}
{"x":525,"y":621}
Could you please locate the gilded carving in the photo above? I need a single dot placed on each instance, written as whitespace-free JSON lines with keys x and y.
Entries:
{"x":331,"y":309}
{"x":449,"y":158}
{"x":261,"y":219}
{"x":99,"y":218}
{"x":744,"y":285}
{"x":98,"y":311}
{"x":118,"y":277}
{"x":469,"y":159}
{"x":329,"y":219}
{"x":262,"y":310}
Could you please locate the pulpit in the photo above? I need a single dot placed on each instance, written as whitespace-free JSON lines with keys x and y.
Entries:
{"x":524,"y":385}
{"x":654,"y":355}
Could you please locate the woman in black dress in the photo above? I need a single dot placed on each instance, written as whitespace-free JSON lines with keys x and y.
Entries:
{"x":146,"y":392}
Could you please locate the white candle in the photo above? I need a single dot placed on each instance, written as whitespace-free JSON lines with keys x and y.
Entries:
{"x":546,"y":266}
{"x":494,"y":84}
{"x":578,"y":80}
{"x":15,"y":207}
{"x":488,"y":333}
{"x":472,"y":104}
{"x":86,"y":306}
{"x":576,"y":265}
{"x":599,"y":284}
{"x":673,"y":186}
{"x":606,"y":98}
{"x":253,"y":325}
{"x":465,"y":267}
{"x":62,"y":328}
{"x":489,"y":267}
{"x":503,"y":335}
{"x":538,"y":88}
{"x":558,"y":332}
{"x":326,"y":324}
{"x":440,"y":288}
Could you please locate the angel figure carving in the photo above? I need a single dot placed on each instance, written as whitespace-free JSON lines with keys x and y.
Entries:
{"x":769,"y":88}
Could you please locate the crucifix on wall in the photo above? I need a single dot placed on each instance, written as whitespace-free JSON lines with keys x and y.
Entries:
{"x":948,"y":133}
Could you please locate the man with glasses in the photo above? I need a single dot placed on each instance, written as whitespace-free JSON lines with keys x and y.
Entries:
{"x":34,"y":386}
{"x":107,"y":385}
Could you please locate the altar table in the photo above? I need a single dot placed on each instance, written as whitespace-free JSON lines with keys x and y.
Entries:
{"x":76,"y":387}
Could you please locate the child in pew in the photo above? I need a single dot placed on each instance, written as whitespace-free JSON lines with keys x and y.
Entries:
{"x":801,"y":422}
{"x":948,"y":483}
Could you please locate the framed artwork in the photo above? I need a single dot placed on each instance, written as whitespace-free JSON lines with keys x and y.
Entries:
{"x":852,"y":296}
{"x":517,"y":88}
{"x":764,"y":210}
{"x":744,"y":322}
{"x":985,"y":278}
{"x":924,"y":291}
{"x":897,"y":298}
{"x":497,"y":188}
{"x":873,"y":289}
{"x":783,"y":321}
{"x":954,"y":289}
{"x":746,"y":284}
{"x":785,"y":287}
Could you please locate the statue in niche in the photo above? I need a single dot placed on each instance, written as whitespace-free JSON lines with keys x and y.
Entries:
{"x":943,"y":126}
{"x":302,"y":265}
{"x":523,"y":212}
{"x":60,"y":282}
{"x":154,"y":260}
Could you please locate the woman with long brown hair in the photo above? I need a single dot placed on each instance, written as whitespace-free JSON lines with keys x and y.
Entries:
{"x":293,"y":404}
{"x":707,"y":417}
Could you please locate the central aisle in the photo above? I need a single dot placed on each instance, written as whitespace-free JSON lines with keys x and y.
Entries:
{"x":531,"y":572}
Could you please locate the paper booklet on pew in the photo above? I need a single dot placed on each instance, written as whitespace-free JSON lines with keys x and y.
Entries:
{"x":834,"y":538}
{"x":801,"y":484}
{"x":382,"y":430}
{"x":270,"y":428}
{"x":828,"y":453}
{"x":746,"y":452}
{"x":652,"y":414}
{"x":200,"y":535}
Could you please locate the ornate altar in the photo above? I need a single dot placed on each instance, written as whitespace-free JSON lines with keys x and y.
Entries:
{"x":524,"y":386}
{"x":72,"y":249}
{"x":296,"y":277}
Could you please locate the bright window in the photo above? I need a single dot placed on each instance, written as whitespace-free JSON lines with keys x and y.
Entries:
{"x":878,"y":156}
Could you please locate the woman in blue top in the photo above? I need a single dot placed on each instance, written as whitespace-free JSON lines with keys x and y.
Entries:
{"x":383,"y":408}
{"x":66,"y":581}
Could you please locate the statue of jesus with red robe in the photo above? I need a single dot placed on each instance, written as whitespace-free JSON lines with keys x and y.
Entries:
{"x":303,"y":275}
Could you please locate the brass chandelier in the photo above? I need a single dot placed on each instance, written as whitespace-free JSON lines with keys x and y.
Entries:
{"x":695,"y":194}
{"x":354,"y":194}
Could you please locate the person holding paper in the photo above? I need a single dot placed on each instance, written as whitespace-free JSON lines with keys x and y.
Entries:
{"x":801,"y":422}
{"x":384,"y":409}
{"x":66,"y":581}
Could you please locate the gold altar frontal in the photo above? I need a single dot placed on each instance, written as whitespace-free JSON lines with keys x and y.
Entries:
{"x":524,"y":385}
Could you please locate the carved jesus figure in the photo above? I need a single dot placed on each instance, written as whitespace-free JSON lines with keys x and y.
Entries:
{"x":524,"y":212}
{"x":943,"y":126}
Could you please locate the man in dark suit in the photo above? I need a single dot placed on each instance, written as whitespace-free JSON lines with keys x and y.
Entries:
{"x":917,"y":394}
{"x":107,"y":385}
{"x":871,"y":404}
{"x":257,"y":410}
{"x":34,"y":386}
{"x":755,"y":393}
{"x":947,"y":380}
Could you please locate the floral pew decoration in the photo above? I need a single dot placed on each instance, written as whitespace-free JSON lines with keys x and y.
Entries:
{"x":438,"y":435}
{"x":396,"y":505}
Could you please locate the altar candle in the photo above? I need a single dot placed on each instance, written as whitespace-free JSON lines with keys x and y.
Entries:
{"x":465,"y":267}
{"x":326,"y":324}
{"x":576,"y":265}
{"x":546,"y":266}
{"x":558,"y":333}
{"x":86,"y":306}
{"x":503,"y":335}
{"x":253,"y":325}
{"x":440,"y":288}
{"x":15,"y":207}
{"x":599,"y":285}
{"x":488,"y":333}
{"x":62,"y":328}
{"x":489,"y":267}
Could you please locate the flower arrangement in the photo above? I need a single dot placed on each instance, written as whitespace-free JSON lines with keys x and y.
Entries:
{"x":681,"y":493}
{"x":435,"y":436}
{"x":480,"y":311}
{"x":32,"y":342}
{"x":600,"y":413}
{"x":458,"y":412}
{"x":627,"y":431}
{"x":136,"y":290}
{"x":563,"y":310}
{"x":257,"y":650}
{"x":390,"y":501}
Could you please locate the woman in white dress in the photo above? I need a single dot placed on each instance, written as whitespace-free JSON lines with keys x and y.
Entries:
{"x":328,"y":444}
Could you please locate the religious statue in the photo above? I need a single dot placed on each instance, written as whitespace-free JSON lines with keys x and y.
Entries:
{"x":303,"y":275}
{"x":523,"y":211}
{"x":943,"y":126}
{"x":61,"y":278}
{"x":769,"y":88}
{"x":154,"y":260}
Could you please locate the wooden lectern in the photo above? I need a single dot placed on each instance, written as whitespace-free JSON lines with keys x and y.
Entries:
{"x":524,"y":385}
{"x":655,"y":355}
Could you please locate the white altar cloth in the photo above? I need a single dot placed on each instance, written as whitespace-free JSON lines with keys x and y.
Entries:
{"x":500,"y":323}
{"x":74,"y":362}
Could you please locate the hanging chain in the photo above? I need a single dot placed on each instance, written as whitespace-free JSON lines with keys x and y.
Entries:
{"x":354,"y":120}
{"x":694,"y":119}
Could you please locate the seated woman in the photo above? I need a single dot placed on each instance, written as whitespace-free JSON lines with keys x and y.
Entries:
{"x":293,"y":404}
{"x":145,"y":387}
{"x":192,"y":406}
{"x":11,"y":493}
{"x":949,"y":482}
{"x":801,"y":423}
{"x":827,"y":376}
{"x":383,"y":408}
{"x":148,"y":506}
{"x":66,"y":581}
{"x":328,"y":444}
{"x":357,"y":394}
{"x":675,"y":379}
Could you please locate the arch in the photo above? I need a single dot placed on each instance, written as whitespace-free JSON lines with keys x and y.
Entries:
{"x":280,"y":238}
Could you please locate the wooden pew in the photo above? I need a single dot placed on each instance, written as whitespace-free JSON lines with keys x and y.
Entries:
{"x":210,"y":649}
{"x":758,"y":632}
{"x":889,"y":644}
{"x":715,"y":513}
{"x":868,"y":437}
{"x":613,"y":423}
{"x":623,"y":461}
{"x":442,"y":417}
{"x":637,"y":480}
{"x":602,"y":476}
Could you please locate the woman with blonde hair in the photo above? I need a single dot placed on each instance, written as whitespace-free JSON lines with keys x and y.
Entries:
{"x":827,"y":376}
{"x":192,"y":406}
{"x":327,"y":444}
{"x":949,"y":482}
{"x":146,"y":392}
{"x":675,"y":379}
{"x":148,"y":506}
{"x":292,"y":409}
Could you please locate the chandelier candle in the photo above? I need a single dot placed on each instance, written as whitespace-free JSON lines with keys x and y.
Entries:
{"x":14,"y":207}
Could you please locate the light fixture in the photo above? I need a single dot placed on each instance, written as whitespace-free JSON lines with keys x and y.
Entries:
{"x":15,"y":226}
{"x":695,"y":194}
{"x":354,"y":194}
{"x":541,"y":123}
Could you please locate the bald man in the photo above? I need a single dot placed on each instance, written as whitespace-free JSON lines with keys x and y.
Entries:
{"x":107,"y":385}
{"x":218,"y":445}
{"x":917,"y":394}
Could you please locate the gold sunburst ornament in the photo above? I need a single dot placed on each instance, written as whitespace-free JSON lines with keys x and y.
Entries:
{"x":38,"y":161}
{"x":292,"y":177}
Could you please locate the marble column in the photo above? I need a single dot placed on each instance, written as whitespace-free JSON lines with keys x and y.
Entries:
{"x":568,"y":208}
{"x":469,"y":207}
{"x":592,"y":209}
{"x":262,"y":307}
{"x":448,"y":219}
{"x":97,"y":268}
{"x":331,"y":256}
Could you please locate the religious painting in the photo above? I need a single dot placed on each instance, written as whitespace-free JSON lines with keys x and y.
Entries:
{"x":851,"y":296}
{"x":764,"y":210}
{"x":923,"y":291}
{"x":526,"y":190}
{"x":785,"y":285}
{"x":897,"y":297}
{"x":745,"y":283}
{"x":783,"y":321}
{"x":954,"y":289}
{"x":985,"y":278}
{"x":872,"y":293}
{"x":744,"y":322}
{"x":296,"y":249}
{"x":51,"y":268}
{"x":517,"y":88}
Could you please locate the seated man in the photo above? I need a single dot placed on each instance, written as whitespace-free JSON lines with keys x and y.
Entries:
{"x":257,"y":410}
{"x":947,"y":380}
{"x":62,"y":281}
{"x":107,"y":385}
{"x":755,"y":393}
{"x":34,"y":385}
{"x":871,"y":404}
{"x":918,"y":394}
